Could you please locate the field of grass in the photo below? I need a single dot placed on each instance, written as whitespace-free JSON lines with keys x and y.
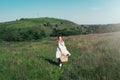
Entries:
{"x":94,"y":57}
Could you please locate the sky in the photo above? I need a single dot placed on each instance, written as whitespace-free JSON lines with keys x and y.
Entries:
{"x":78,"y":11}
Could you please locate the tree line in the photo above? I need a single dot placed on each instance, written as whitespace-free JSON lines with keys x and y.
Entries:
{"x":21,"y":34}
{"x":34,"y":33}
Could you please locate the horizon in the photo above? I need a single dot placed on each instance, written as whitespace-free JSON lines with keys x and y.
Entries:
{"x":78,"y":11}
{"x":59,"y":18}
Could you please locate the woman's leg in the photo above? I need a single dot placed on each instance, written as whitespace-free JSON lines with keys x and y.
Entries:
{"x":59,"y":62}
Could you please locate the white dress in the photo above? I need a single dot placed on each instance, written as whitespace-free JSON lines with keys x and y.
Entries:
{"x":62,"y":47}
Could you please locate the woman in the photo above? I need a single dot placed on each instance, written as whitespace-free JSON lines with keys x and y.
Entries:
{"x":61,"y":50}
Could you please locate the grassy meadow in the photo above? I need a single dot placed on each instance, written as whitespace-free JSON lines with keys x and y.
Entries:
{"x":93,"y":57}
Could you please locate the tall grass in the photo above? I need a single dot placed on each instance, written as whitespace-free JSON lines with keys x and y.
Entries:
{"x":94,"y":57}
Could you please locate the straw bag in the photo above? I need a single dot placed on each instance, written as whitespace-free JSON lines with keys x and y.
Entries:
{"x":64,"y":58}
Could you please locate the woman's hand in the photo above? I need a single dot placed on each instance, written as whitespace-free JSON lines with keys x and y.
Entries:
{"x":62,"y":54}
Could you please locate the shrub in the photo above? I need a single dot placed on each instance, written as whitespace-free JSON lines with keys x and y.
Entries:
{"x":14,"y":34}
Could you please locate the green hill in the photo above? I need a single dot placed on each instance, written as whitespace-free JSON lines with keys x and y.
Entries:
{"x":41,"y":22}
{"x":33,"y":28}
{"x":37,"y":28}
